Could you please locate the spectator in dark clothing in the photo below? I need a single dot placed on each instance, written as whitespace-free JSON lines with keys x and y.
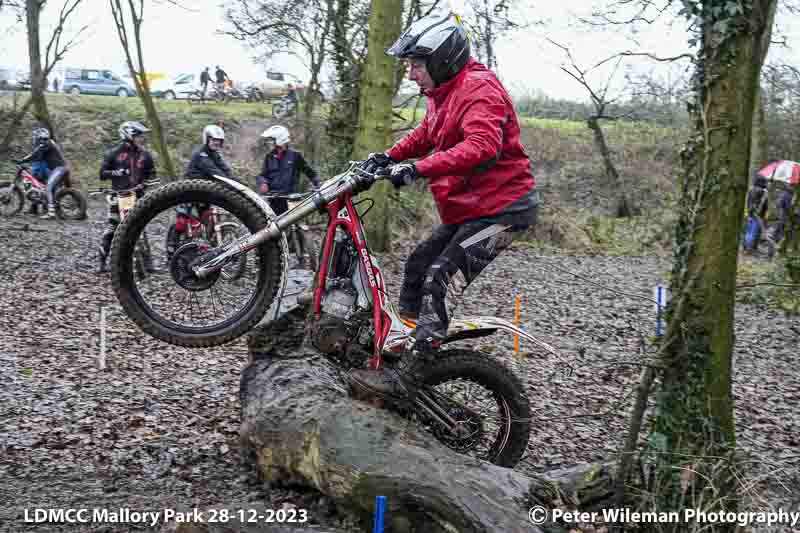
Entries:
{"x":128,"y":165}
{"x":757,"y":206}
{"x":281,"y":169}
{"x":205,"y":77}
{"x":291,"y":95}
{"x":55,"y":85}
{"x":206,"y":162}
{"x":221,"y":76}
{"x":783,"y":223}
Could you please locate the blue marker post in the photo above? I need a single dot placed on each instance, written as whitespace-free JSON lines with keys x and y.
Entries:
{"x":661,"y":296}
{"x":380,"y":509}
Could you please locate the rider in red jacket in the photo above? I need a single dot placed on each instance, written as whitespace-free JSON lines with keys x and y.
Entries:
{"x":477,"y":170}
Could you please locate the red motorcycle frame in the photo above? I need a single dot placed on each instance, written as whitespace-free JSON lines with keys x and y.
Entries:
{"x":342,"y":212}
{"x":336,"y":197}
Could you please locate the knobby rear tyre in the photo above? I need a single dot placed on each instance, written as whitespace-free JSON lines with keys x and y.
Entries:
{"x":493,"y":376}
{"x":77,"y":197}
{"x":168,"y":197}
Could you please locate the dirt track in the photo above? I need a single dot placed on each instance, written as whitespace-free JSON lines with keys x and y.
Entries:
{"x":158,"y":428}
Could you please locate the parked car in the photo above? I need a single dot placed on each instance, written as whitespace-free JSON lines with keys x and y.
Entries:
{"x":182,"y":86}
{"x":276,"y":85}
{"x":8,"y":79}
{"x":95,"y":81}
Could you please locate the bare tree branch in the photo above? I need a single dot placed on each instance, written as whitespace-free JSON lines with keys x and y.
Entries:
{"x":54,"y":51}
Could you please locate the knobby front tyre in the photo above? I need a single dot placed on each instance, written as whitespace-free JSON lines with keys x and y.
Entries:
{"x":266,"y":265}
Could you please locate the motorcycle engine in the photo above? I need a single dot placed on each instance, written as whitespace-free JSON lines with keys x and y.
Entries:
{"x":341,"y":319}
{"x":35,"y":196}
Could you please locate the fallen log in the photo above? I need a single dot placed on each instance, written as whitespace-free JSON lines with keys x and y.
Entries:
{"x":302,"y":427}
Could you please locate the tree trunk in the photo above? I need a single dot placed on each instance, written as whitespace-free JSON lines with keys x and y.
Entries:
{"x":693,"y":435}
{"x":623,"y":208}
{"x":155,"y":125}
{"x":32,"y":14}
{"x":758,"y":151}
{"x":140,"y":77}
{"x":488,"y":35}
{"x":300,"y":427}
{"x":375,"y":110}
{"x":143,"y":88}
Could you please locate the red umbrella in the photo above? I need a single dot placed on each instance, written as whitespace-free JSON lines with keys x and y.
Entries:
{"x":788,"y":171}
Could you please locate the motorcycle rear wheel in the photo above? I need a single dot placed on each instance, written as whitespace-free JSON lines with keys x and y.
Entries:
{"x":11,"y":200}
{"x":511,"y":437}
{"x":267,"y":270}
{"x":75,"y":196}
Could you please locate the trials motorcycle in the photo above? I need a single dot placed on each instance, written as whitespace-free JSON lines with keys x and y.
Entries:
{"x":70,"y":202}
{"x":352,"y":320}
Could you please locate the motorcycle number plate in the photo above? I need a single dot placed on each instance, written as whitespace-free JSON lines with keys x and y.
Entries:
{"x":126,"y":203}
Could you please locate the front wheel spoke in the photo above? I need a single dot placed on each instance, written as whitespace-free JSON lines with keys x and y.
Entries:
{"x":221,"y":302}
{"x":194,"y":298}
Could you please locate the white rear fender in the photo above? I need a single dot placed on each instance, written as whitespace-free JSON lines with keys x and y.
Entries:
{"x":481,"y":326}
{"x":249,"y":193}
{"x":262,"y":204}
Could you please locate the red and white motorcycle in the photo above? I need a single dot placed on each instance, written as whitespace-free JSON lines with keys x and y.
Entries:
{"x":353,"y":322}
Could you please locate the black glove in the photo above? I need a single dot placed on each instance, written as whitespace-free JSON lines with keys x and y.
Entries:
{"x":376,"y":161}
{"x":403,"y":174}
{"x":363,"y":182}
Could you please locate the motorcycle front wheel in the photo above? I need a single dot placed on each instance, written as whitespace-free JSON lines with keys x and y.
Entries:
{"x":161,"y":307}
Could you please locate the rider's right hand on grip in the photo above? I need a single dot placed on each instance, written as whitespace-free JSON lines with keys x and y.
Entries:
{"x":363,"y":181}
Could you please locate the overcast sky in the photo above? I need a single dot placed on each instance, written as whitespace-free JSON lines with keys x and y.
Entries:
{"x":179,"y":40}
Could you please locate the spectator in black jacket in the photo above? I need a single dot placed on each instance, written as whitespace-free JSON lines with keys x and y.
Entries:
{"x":206,"y":162}
{"x":221,"y":76}
{"x":129,"y":166}
{"x":205,"y":77}
{"x":281,"y":169}
{"x":48,"y":157}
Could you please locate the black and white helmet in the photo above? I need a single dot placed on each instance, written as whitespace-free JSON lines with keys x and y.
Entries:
{"x":40,"y":135}
{"x":439,"y":39}
{"x":129,"y":130}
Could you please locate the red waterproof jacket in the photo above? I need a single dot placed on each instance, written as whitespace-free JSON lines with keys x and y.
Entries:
{"x":478,"y":165}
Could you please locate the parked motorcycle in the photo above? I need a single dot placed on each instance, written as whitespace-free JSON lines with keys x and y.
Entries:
{"x":352,"y":320}
{"x":297,"y":234}
{"x":70,"y":202}
{"x":209,"y":226}
{"x":254,"y":94}
{"x":122,"y":201}
{"x":283,"y":108}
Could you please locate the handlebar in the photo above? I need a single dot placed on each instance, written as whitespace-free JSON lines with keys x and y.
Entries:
{"x":113,"y":192}
{"x":292,"y":197}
